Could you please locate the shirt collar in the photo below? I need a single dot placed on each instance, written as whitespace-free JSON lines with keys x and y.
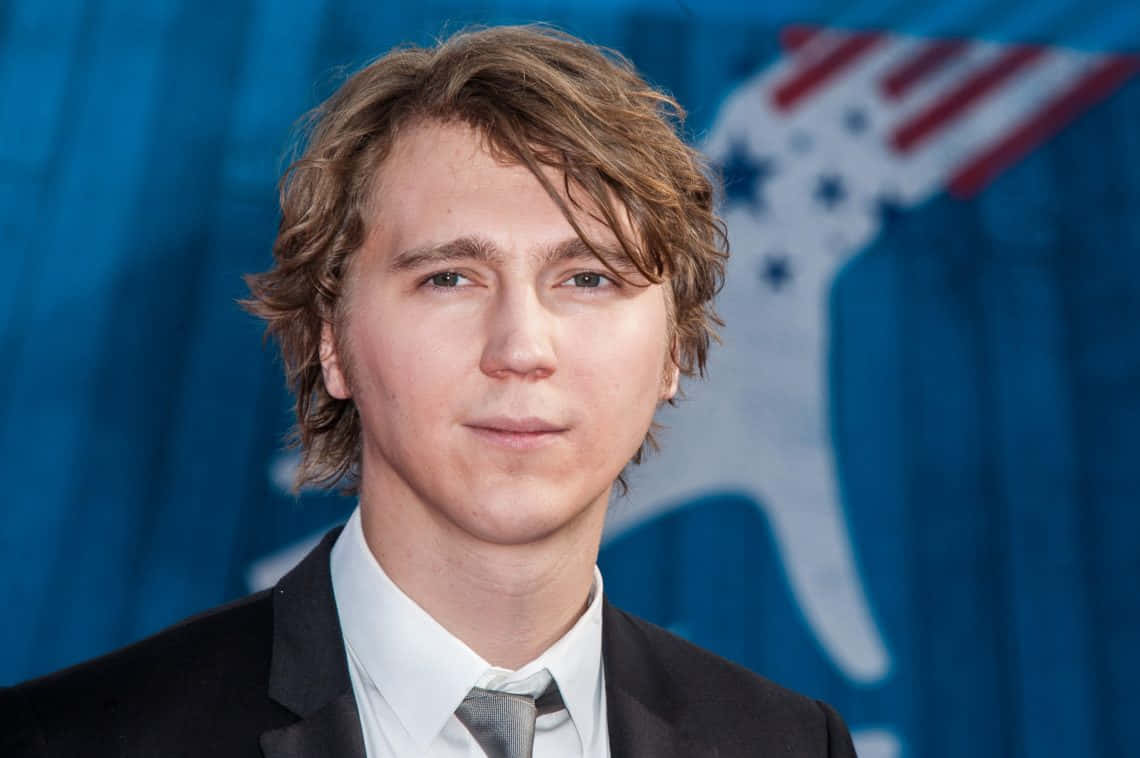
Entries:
{"x":575,"y":663}
{"x":423,"y":671}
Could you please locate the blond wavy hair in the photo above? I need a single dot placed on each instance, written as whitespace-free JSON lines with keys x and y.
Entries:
{"x":540,"y":98}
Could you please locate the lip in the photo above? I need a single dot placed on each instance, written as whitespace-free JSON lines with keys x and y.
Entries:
{"x":528,"y":425}
{"x":517,"y":433}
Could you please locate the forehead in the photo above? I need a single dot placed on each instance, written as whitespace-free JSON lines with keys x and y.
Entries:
{"x":440,"y":181}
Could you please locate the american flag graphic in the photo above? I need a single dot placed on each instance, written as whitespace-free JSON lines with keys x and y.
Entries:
{"x":818,"y":152}
{"x":950,"y":112}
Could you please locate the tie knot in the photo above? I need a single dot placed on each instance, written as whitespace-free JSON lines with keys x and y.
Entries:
{"x":503,"y":722}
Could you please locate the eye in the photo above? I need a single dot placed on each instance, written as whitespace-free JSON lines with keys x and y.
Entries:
{"x":445,"y":279}
{"x":589,"y":280}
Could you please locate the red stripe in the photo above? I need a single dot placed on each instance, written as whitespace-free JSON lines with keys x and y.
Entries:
{"x":928,"y":60}
{"x":813,"y":75}
{"x":908,"y":136}
{"x":1091,"y":88}
{"x":792,"y":38}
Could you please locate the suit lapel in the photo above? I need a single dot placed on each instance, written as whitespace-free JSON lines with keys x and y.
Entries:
{"x":309,"y":672}
{"x":637,"y":731}
{"x":644,"y":708}
{"x":331,"y":732}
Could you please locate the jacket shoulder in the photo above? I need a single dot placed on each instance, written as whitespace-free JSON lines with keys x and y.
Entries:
{"x":196,"y":685}
{"x":715,"y":696}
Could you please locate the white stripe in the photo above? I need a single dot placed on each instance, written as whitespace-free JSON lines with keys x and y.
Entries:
{"x":987,"y":121}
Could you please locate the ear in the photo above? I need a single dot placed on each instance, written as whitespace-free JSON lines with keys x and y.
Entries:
{"x":335,"y":381}
{"x":672,"y":377}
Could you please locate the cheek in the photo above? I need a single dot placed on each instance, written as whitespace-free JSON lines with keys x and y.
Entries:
{"x":622,"y":361}
{"x":403,"y":372}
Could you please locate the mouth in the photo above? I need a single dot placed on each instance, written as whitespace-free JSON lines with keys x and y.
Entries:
{"x":517,"y":433}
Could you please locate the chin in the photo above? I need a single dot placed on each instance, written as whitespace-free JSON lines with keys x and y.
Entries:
{"x":520,"y":515}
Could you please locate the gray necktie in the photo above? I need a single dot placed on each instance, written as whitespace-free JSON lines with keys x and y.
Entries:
{"x":502,"y":722}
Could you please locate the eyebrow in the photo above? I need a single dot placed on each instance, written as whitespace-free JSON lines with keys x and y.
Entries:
{"x":575,"y":248}
{"x":459,"y":249}
{"x":480,"y":249}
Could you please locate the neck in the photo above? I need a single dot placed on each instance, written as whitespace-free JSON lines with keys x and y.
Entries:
{"x":507,"y":602}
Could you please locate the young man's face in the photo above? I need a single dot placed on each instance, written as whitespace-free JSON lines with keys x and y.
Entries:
{"x":503,"y":376}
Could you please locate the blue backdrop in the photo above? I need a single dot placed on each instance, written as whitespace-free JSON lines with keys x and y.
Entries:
{"x":981,"y":388}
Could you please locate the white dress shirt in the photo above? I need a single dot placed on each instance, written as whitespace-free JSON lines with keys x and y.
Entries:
{"x":409,"y":674}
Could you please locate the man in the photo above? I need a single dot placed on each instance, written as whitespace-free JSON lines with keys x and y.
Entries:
{"x":495,"y":260}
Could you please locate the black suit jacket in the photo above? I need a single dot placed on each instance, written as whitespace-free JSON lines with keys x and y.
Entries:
{"x":267,"y":675}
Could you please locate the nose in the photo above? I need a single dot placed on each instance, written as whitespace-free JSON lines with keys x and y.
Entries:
{"x":519,"y":337}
